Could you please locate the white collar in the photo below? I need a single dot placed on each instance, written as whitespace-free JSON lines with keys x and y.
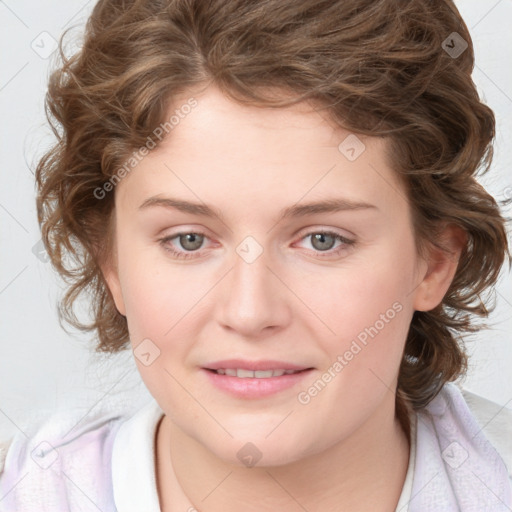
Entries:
{"x":133,"y":462}
{"x":405,"y":496}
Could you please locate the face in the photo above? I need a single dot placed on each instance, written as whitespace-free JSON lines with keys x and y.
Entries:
{"x":252,"y":280}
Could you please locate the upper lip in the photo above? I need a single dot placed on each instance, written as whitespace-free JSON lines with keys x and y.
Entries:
{"x":254,"y":365}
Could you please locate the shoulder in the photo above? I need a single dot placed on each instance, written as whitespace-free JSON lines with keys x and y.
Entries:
{"x":462,"y":453}
{"x":496,"y":423}
{"x":483,"y":425}
{"x":63,"y":460}
{"x":4,"y":446}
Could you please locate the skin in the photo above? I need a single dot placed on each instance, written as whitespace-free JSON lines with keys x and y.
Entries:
{"x":345,"y":449}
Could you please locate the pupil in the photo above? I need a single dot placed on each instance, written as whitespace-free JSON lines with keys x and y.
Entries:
{"x":321,"y":237}
{"x":190,"y":241}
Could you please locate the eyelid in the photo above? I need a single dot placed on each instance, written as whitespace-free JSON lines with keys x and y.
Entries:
{"x":325,"y":229}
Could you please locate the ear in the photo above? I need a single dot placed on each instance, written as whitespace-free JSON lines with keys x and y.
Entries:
{"x":441,"y":268}
{"x":110,"y":273}
{"x":114,"y":285}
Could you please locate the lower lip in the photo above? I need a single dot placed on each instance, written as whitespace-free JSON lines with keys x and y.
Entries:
{"x":252,"y":387}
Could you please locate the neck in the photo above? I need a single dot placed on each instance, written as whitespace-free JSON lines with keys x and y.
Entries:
{"x":363,"y":472}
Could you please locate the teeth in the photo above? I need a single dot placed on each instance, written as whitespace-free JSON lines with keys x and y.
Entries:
{"x":263,"y":374}
{"x":258,"y":374}
{"x":244,"y":373}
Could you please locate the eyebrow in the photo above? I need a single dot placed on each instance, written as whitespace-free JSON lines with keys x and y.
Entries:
{"x":332,"y":205}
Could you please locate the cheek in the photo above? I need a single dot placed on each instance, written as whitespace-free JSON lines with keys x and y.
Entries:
{"x":368,"y":309}
{"x":165,"y":304}
{"x":370,"y":313}
{"x":157,"y":295}
{"x":160,"y":315}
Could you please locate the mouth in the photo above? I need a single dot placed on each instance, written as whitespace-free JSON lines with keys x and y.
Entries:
{"x":243,"y":373}
{"x":254,"y":379}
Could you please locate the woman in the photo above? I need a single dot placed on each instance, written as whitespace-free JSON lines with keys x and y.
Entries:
{"x":274,"y":205}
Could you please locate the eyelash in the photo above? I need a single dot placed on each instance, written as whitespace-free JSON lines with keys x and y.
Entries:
{"x":192,"y":254}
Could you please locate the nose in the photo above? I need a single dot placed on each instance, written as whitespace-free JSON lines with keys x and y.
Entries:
{"x":253,"y":298}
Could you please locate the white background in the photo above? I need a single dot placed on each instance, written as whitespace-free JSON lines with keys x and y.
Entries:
{"x":43,"y":368}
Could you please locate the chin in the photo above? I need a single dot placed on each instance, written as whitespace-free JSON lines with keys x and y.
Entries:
{"x":257,"y":451}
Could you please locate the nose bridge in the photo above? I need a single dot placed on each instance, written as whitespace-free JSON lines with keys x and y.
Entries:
{"x":253,"y":297}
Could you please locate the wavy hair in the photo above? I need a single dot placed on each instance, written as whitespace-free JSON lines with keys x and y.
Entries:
{"x":378,"y":67}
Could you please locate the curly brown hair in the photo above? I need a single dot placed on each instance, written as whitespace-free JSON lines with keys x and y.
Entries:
{"x":378,"y":67}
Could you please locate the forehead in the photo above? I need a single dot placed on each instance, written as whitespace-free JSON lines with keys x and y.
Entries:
{"x":217,"y":114}
{"x":224,"y":153}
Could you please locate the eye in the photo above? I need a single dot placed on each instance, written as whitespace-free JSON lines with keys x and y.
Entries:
{"x":190,"y":242}
{"x":324,"y":241}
